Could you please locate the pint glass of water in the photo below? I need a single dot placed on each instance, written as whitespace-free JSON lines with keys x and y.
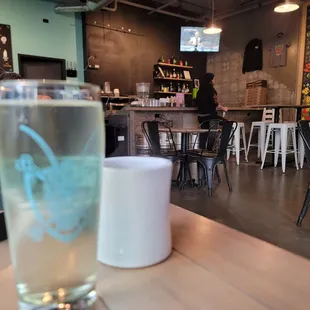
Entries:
{"x":51,"y":150}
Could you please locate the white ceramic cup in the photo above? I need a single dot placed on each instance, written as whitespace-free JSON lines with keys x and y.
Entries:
{"x":134,"y":225}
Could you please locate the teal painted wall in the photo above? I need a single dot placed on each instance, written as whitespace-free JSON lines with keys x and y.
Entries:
{"x":60,"y":38}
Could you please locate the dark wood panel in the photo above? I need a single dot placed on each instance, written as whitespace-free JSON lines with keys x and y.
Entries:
{"x":125,"y":58}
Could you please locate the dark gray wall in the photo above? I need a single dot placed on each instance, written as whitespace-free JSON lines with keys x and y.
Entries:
{"x":125,"y":59}
{"x":263,"y":24}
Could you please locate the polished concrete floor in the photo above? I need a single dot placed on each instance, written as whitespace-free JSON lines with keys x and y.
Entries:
{"x":264,"y":204}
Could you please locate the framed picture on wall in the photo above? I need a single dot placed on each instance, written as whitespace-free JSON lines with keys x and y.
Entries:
{"x":6,"y":55}
{"x":187,"y":75}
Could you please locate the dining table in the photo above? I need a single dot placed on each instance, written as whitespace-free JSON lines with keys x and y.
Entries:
{"x":277,"y":108}
{"x":185,"y":132}
{"x":211,"y":267}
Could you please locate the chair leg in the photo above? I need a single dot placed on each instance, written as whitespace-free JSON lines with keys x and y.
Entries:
{"x":244,"y":144}
{"x":301,"y":149}
{"x":237,"y":144}
{"x":283,"y":148}
{"x":295,"y":148}
{"x":305,"y":207}
{"x":210,"y":171}
{"x":228,"y":153}
{"x":217,"y":174}
{"x":227,"y":177}
{"x":250,"y":139}
{"x":261,"y":139}
{"x":277,"y":147}
{"x":266,"y":143}
{"x":188,"y":168}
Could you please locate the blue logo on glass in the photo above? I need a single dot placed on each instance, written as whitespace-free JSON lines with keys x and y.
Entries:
{"x":63,"y":196}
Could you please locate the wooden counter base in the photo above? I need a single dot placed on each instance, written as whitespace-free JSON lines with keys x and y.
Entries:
{"x":181,"y":118}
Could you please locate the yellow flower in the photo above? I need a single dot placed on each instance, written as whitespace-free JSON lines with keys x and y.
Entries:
{"x":305,"y":91}
{"x":307,"y":99}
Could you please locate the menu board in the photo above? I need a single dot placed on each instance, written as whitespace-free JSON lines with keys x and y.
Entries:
{"x":6,"y":58}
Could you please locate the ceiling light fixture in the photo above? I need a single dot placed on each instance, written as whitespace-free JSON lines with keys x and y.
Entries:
{"x":286,"y":7}
{"x":213,"y":29}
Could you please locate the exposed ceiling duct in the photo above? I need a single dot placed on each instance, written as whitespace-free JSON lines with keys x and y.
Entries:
{"x":90,"y":6}
{"x":152,"y":9}
{"x":244,"y":9}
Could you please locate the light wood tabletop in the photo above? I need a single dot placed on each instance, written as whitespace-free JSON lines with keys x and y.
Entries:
{"x":185,"y":130}
{"x":212,"y":267}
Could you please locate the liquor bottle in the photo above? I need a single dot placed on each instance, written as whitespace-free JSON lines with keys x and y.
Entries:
{"x":174,"y":75}
{"x":167,"y":73}
{"x":183,"y":88}
{"x":171,"y":87}
{"x":162,"y":87}
{"x":174,"y":60}
{"x":161,"y":59}
{"x":170,"y":75}
{"x":178,"y":75}
{"x":187,"y":88}
{"x":181,"y":75}
{"x":181,"y":63}
{"x":179,"y":88}
{"x":185,"y":63}
{"x":168,"y":61}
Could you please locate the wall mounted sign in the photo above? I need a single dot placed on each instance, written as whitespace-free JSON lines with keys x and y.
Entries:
{"x":6,"y":55}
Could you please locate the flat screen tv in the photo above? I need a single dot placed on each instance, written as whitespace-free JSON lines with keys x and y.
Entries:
{"x":193,"y":39}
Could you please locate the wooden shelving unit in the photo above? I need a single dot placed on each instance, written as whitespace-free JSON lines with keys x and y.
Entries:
{"x":163,"y":64}
{"x":172,"y":79}
{"x":163,"y":80}
{"x":170,"y":93}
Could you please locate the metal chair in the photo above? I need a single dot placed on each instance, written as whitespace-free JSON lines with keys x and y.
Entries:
{"x":220,"y":133}
{"x":304,"y":131}
{"x":150,"y":129}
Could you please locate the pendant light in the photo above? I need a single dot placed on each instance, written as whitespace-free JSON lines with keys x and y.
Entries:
{"x":212,"y":29}
{"x":286,"y":7}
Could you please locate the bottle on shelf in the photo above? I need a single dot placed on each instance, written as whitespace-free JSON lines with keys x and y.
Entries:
{"x":169,"y":61}
{"x":173,"y":60}
{"x":179,"y":88}
{"x":171,"y":87}
{"x":162,"y":87}
{"x":183,"y":88}
{"x":167,"y":74}
{"x":161,"y":59}
{"x":181,"y":75}
{"x":186,"y":88}
{"x":185,"y":63}
{"x":174,"y":75}
{"x":181,"y":63}
{"x":178,"y":75}
{"x":170,"y":75}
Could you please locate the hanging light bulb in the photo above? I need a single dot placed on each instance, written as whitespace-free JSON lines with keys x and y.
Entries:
{"x":213,"y":29}
{"x":286,"y":7}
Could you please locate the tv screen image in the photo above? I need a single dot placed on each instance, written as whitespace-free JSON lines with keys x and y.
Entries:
{"x":193,"y":39}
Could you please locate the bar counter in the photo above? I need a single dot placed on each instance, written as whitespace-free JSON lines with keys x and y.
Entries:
{"x":180,"y":117}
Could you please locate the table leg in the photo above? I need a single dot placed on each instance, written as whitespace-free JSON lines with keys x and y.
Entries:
{"x":298,"y":115}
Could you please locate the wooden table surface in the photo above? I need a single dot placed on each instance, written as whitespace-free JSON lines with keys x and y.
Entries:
{"x":280,"y":106}
{"x":212,"y":267}
{"x":185,"y":130}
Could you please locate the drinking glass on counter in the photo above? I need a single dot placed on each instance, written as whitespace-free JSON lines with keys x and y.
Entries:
{"x":51,"y":154}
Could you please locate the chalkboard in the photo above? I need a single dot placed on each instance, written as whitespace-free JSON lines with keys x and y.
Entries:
{"x":6,"y":57}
